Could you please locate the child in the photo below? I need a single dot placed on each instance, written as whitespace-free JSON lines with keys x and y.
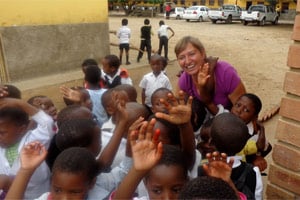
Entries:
{"x":204,"y":143}
{"x":154,"y":80}
{"x":146,"y":33}
{"x":124,"y":34}
{"x":247,"y":108}
{"x":92,"y":76}
{"x":14,"y":119}
{"x":74,"y":173}
{"x":161,"y":166}
{"x":229,"y":134}
{"x":84,"y":65}
{"x":44,"y":103}
{"x":164,"y":38}
{"x":130,"y":90}
{"x":113,"y":74}
{"x":13,"y":91}
{"x":157,"y":95}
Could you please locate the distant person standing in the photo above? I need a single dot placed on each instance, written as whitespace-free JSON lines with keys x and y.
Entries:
{"x":168,"y":10}
{"x":164,"y":38}
{"x":146,"y":33}
{"x":278,"y":9}
{"x":124,"y":34}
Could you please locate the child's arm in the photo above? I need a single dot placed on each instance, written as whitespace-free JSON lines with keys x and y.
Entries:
{"x":218,"y":167}
{"x":180,"y":114}
{"x":173,"y":33}
{"x":146,"y":152}
{"x":108,"y":154}
{"x":32,"y":155}
{"x":143,"y":96}
{"x":12,"y":102}
{"x":261,"y":140}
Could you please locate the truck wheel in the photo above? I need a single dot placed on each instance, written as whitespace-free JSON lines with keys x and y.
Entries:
{"x":214,"y":21}
{"x":262,"y":22}
{"x":177,"y":17}
{"x":187,"y":20}
{"x":200,"y":19}
{"x":229,"y":19}
{"x":275,"y":22}
{"x":245,"y":23}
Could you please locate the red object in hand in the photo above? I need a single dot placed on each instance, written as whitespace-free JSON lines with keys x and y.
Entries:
{"x":156,"y":135}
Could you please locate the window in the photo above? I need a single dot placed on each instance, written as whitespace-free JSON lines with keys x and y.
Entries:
{"x":182,"y":2}
{"x":285,"y":8}
{"x":211,"y":2}
{"x":220,"y":2}
{"x":194,"y":3}
{"x":260,"y":2}
{"x":175,"y":2}
{"x":202,"y":2}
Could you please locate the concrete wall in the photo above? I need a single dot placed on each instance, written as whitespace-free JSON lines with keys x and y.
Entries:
{"x":284,"y":174}
{"x":50,"y":36}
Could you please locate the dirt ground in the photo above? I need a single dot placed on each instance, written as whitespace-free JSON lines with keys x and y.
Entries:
{"x":258,"y":53}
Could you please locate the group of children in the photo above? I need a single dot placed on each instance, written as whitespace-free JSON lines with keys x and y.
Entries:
{"x":124,"y":35}
{"x":106,"y":145}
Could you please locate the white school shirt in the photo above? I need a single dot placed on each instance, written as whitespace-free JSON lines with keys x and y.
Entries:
{"x":124,"y":34}
{"x":39,"y":181}
{"x":111,"y":79}
{"x":163,"y":30}
{"x":150,"y":83}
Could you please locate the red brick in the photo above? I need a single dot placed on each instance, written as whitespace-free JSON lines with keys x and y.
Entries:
{"x":290,"y":108}
{"x":293,"y":59}
{"x":296,"y":31}
{"x":287,"y":157}
{"x":284,"y":178}
{"x":274,"y":192}
{"x":292,"y":82}
{"x":288,"y":132}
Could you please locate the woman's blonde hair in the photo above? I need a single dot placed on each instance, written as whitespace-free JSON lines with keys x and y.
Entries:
{"x":183,"y":42}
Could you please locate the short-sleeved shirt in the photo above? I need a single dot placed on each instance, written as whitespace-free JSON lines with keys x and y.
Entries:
{"x":124,"y":34}
{"x":163,"y":31}
{"x":150,"y":83}
{"x":226,"y":81}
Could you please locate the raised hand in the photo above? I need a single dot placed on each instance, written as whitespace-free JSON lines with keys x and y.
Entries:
{"x":146,"y":150}
{"x":70,"y":94}
{"x":217,"y":166}
{"x":32,"y":155}
{"x":3,"y":91}
{"x":203,"y":75}
{"x":179,"y":111}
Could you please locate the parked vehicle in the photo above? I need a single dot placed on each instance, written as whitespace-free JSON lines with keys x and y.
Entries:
{"x":198,"y":13}
{"x":227,"y":13}
{"x":259,"y":14}
{"x":176,"y":13}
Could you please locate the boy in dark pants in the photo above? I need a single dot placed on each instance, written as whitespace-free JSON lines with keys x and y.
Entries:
{"x":146,"y":33}
{"x":164,"y":38}
{"x":124,"y":34}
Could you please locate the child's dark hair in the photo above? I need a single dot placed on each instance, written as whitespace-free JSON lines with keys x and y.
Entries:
{"x":146,"y":21}
{"x":172,"y":155}
{"x":161,"y":22}
{"x":75,"y":133}
{"x":113,"y":61}
{"x":92,"y":74}
{"x":68,"y":113}
{"x":255,"y":100}
{"x":206,"y":187}
{"x":76,"y":160}
{"x":124,"y":22}
{"x":14,"y":115}
{"x":129,"y":89}
{"x":205,"y":125}
{"x":162,"y":89}
{"x":88,"y":62}
{"x":229,"y":133}
{"x":13,"y":91}
{"x":198,"y":113}
{"x":31,"y":99}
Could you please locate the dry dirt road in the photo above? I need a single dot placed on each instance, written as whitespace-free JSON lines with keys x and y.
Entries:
{"x":258,"y":53}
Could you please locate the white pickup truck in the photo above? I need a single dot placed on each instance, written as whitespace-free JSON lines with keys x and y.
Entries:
{"x":259,"y":14}
{"x":227,"y":13}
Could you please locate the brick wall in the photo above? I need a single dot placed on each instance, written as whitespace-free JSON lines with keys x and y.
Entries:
{"x":284,"y":173}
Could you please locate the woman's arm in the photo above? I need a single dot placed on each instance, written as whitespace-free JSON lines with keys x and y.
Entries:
{"x":237,"y":92}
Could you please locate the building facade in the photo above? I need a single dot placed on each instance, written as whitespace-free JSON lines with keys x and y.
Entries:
{"x":38,"y":38}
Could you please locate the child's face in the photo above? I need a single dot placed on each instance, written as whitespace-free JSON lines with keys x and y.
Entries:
{"x":244,"y":109}
{"x":10,"y":133}
{"x":107,"y":69}
{"x":47,"y":105}
{"x":156,"y":66}
{"x":67,"y":185}
{"x":157,"y":106}
{"x":165,"y":182}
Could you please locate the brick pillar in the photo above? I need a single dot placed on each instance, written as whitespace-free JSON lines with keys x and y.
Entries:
{"x":284,"y":173}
